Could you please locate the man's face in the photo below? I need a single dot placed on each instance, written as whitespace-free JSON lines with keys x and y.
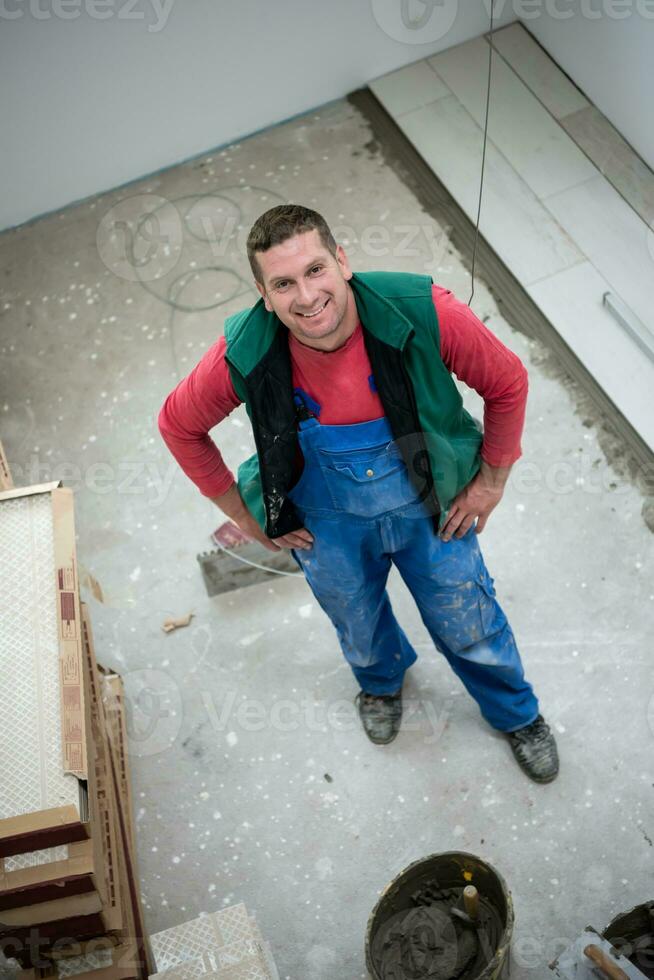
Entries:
{"x":307,"y":287}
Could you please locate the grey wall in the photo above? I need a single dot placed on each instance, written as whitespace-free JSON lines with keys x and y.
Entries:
{"x":93,"y":103}
{"x":611,"y":58}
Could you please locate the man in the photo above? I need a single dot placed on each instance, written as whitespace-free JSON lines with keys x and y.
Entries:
{"x":365,"y":456}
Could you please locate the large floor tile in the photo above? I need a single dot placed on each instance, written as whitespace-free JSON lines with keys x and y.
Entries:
{"x":572,"y":301}
{"x":515,"y":223}
{"x":614,"y":157}
{"x":531,"y":140}
{"x":409,"y":88}
{"x":613,"y":237}
{"x":538,"y":71}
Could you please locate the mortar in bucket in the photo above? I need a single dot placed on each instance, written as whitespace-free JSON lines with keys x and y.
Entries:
{"x":424,"y":928}
{"x":632,"y":933}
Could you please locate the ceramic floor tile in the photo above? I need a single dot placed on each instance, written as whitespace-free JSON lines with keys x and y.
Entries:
{"x":546,"y":158}
{"x":572,"y":301}
{"x":408,"y":88}
{"x":244,"y":961}
{"x":614,"y":238}
{"x":538,"y":71}
{"x":613,"y":156}
{"x":190,"y":939}
{"x":515,"y":223}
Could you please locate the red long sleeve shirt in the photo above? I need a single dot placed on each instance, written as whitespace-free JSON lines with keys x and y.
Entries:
{"x":338,"y":381}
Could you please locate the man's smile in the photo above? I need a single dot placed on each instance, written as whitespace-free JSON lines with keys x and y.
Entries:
{"x":315,"y":312}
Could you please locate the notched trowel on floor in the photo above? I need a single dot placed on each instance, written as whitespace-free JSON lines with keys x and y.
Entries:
{"x":591,"y":957}
{"x":238,"y":561}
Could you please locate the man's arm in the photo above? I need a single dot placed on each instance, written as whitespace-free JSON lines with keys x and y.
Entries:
{"x":479,"y":359}
{"x":199,"y":402}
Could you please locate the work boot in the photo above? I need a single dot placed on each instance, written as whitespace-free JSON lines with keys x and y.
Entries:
{"x":535,"y":749}
{"x":381,"y":715}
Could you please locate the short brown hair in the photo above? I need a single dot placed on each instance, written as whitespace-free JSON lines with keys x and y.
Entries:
{"x":280,"y":223}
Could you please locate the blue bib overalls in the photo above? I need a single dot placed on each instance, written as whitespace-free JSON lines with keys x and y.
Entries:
{"x":356,"y":498}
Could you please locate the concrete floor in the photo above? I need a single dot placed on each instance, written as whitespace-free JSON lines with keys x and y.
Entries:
{"x":252,"y":781}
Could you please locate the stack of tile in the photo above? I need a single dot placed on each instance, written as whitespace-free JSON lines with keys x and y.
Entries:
{"x":225,"y":945}
{"x":69,"y":898}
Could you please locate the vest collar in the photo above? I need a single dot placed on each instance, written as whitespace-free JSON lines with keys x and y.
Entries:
{"x":252,"y":331}
{"x":378,"y":314}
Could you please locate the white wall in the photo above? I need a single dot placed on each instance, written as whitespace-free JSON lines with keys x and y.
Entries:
{"x":611,"y":59}
{"x":91,"y":104}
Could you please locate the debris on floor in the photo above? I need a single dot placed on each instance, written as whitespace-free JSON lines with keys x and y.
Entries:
{"x":174,"y":623}
{"x":90,"y":582}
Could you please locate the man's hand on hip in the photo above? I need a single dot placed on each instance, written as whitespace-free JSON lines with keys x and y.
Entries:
{"x":476,"y":501}
{"x":301,"y":539}
{"x":231,"y":503}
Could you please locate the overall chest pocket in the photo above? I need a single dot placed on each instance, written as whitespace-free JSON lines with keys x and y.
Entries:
{"x":367,"y":482}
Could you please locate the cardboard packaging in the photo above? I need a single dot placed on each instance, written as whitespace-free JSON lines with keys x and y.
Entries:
{"x":44,"y":802}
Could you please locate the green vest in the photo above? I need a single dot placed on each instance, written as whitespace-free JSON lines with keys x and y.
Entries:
{"x":420,"y":399}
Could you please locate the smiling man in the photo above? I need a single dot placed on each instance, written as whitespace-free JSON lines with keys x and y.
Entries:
{"x":366,"y":457}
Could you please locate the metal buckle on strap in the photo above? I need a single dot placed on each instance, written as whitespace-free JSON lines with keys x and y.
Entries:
{"x":302,"y":413}
{"x":305,"y":407}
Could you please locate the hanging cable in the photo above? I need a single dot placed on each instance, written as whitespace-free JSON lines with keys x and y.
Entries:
{"x":483,"y":155}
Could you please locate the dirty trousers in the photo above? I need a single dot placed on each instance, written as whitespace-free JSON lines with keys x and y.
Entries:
{"x":356,"y":498}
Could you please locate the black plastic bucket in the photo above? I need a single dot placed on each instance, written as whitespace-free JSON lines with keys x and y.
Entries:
{"x":632,"y":933}
{"x":453,"y":869}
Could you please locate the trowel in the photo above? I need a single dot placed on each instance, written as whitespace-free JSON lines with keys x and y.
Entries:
{"x":239,"y":561}
{"x":591,"y":957}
